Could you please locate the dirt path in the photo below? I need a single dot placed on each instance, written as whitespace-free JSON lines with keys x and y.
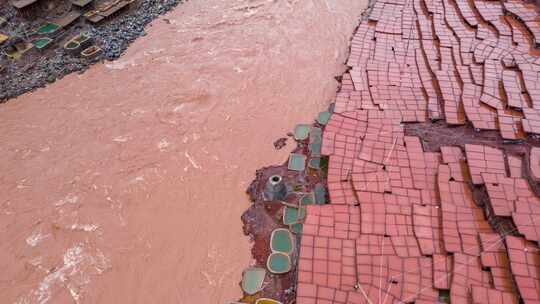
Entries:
{"x":126,"y":183}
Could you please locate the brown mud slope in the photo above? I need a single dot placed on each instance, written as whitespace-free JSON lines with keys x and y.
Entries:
{"x":124,"y":184}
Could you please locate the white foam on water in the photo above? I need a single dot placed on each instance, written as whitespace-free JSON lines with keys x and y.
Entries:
{"x":178,"y":108}
{"x":192,"y":161}
{"x":121,"y":64}
{"x":35,"y":238}
{"x":79,"y":265}
{"x":69,"y":199}
{"x":137,"y":179}
{"x":85,"y":227}
{"x":121,"y":139}
{"x":163,"y":144}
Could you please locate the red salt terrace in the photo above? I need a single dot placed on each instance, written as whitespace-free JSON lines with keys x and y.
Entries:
{"x":405,"y":225}
{"x":491,"y":11}
{"x":466,"y":273}
{"x":525,"y":265}
{"x":534,"y":162}
{"x":515,"y":165}
{"x":427,"y":229}
{"x":501,"y":193}
{"x":483,"y":159}
{"x":517,"y":96}
{"x":466,"y":11}
{"x":442,"y":271}
{"x":527,"y":217}
{"x":494,"y":258}
{"x":526,"y":13}
{"x":483,"y":295}
{"x":531,"y":122}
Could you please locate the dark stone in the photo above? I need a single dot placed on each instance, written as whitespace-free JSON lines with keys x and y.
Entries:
{"x":280,"y":143}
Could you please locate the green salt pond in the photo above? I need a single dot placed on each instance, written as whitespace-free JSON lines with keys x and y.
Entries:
{"x":41,"y":42}
{"x":297,"y":162}
{"x":278,"y":263}
{"x":315,"y":135}
{"x":315,"y":149}
{"x":293,"y":215}
{"x":296,"y":228}
{"x":301,"y":131}
{"x":47,"y":28}
{"x":320,"y":194}
{"x":315,"y":163}
{"x":252,"y":280}
{"x":323,"y":118}
{"x":72,"y":45}
{"x":307,"y":199}
{"x":315,"y":141}
{"x":281,"y":241}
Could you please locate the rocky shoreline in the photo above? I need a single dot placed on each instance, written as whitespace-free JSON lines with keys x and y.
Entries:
{"x":113,"y":37}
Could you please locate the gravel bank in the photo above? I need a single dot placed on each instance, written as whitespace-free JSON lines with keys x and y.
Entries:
{"x":112,"y":36}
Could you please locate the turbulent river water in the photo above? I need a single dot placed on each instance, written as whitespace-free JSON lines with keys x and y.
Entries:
{"x":125,"y":184}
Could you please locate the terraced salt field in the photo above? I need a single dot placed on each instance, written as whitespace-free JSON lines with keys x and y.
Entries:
{"x":433,"y":160}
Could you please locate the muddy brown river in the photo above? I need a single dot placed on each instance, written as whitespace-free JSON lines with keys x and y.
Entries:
{"x":126,"y":184}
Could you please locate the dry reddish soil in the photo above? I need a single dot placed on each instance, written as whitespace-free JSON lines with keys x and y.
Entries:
{"x":125,"y":184}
